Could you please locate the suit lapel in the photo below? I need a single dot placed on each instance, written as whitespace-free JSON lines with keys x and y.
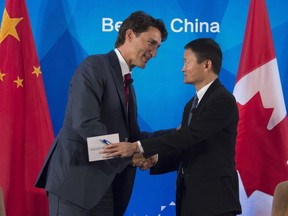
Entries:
{"x":118,"y":80}
{"x":209,"y":91}
{"x":117,"y":76}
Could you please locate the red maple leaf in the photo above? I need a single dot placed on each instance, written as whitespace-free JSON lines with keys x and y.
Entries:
{"x":261,"y":154}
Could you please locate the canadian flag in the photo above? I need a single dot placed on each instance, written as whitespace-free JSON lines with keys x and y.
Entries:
{"x":262,"y":141}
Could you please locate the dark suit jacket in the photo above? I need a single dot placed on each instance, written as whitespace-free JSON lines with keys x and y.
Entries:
{"x":96,"y":106}
{"x":206,"y":150}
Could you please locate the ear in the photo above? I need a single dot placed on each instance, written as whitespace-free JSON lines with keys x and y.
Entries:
{"x":129,"y":34}
{"x":208,"y":64}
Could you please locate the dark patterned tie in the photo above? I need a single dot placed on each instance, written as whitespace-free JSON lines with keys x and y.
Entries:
{"x":194,"y":105}
{"x":127,"y":82}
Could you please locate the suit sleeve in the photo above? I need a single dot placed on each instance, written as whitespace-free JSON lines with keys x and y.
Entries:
{"x":167,"y":162}
{"x":217,"y":112}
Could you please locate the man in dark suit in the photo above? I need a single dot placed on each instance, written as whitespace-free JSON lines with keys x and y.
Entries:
{"x":203,"y":149}
{"x":97,"y":106}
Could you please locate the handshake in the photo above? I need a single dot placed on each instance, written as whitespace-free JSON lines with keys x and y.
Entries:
{"x":126,"y":149}
{"x":144,"y":163}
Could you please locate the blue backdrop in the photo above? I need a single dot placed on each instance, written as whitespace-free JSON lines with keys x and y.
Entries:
{"x":66,"y":31}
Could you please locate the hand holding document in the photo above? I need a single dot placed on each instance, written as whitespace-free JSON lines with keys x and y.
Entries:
{"x":97,"y":143}
{"x":120,"y":149}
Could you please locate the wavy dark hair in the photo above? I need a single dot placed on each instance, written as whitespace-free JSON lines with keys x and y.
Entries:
{"x":139,"y":22}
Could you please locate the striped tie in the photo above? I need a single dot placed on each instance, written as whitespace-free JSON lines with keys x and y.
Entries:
{"x":127,"y":82}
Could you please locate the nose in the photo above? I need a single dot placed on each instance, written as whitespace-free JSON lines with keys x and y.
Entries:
{"x":183,"y":69}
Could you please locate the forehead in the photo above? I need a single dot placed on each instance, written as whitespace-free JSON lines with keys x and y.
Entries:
{"x":188,"y":54}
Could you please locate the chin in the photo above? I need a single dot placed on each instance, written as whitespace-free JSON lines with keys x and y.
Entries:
{"x":142,"y":66}
{"x":187,"y":82}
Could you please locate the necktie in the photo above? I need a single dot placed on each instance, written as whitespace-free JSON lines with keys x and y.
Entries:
{"x":194,"y":105}
{"x":127,"y":82}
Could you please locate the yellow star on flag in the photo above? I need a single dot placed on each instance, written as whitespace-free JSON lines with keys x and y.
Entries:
{"x":1,"y":76}
{"x":37,"y":71}
{"x":9,"y":26}
{"x":19,"y":82}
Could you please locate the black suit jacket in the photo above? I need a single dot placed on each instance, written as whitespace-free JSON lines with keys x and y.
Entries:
{"x":96,"y":106}
{"x":206,"y":150}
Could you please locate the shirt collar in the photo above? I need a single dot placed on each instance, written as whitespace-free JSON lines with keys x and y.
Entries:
{"x":202,"y":91}
{"x":124,"y":66}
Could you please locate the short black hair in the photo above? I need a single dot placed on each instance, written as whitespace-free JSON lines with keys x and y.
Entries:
{"x":207,"y":48}
{"x":139,"y":22}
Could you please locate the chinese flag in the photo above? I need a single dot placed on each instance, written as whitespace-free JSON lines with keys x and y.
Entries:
{"x":262,"y":141}
{"x":26,"y":130}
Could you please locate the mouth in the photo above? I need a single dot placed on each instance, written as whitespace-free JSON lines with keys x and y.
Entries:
{"x":147,"y":56}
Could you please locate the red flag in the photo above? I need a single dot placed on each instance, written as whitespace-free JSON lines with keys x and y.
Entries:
{"x":26,"y":130}
{"x":262,"y":141}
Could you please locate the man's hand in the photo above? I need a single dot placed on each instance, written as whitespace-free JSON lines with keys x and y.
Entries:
{"x":144,"y":163}
{"x":122,"y":149}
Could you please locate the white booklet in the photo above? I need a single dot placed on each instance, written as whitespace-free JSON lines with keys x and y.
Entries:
{"x":95,"y":144}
